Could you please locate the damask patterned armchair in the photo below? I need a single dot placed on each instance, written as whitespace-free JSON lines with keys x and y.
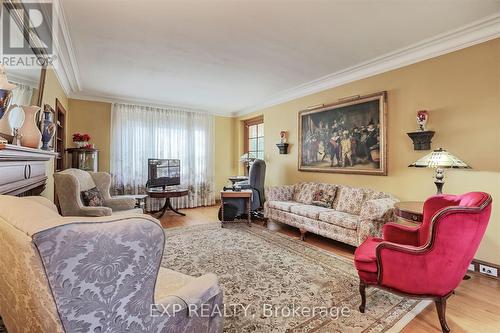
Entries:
{"x":65,"y":274}
{"x":69,"y":184}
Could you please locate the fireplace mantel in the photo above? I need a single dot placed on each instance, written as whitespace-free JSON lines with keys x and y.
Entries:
{"x":22,"y":170}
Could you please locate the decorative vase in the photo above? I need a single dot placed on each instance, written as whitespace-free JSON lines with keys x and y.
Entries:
{"x":31,"y":136}
{"x":79,"y":144}
{"x":422,"y":118}
{"x":48,"y":129}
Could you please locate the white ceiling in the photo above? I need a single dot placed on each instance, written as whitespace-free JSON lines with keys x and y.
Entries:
{"x":227,"y":56}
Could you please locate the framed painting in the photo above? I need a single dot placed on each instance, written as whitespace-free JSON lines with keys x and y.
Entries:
{"x":345,"y":137}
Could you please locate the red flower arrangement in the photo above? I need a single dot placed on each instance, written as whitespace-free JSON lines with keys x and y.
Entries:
{"x":77,"y":137}
{"x":422,"y":117}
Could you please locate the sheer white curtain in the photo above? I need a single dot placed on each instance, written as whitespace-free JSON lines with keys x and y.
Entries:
{"x":22,"y":94}
{"x":141,"y":132}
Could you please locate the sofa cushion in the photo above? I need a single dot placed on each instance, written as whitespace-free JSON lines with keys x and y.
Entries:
{"x":282,"y":205}
{"x":340,"y":219}
{"x":304,"y":192}
{"x":350,"y":200}
{"x":324,"y":195}
{"x":309,"y":211}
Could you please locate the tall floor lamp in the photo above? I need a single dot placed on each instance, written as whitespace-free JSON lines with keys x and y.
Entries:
{"x":439,"y":160}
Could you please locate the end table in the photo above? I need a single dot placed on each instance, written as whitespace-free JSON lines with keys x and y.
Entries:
{"x":245,"y":194}
{"x":410,"y":211}
{"x":167,"y":193}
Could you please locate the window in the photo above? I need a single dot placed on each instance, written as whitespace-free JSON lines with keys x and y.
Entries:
{"x":254,"y":137}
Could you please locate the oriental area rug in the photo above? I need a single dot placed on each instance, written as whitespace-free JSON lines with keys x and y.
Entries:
{"x":276,"y":283}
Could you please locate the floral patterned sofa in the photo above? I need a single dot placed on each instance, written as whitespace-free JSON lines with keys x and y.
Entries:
{"x":343,"y":213}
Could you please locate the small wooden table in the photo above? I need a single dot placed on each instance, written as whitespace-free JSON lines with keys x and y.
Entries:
{"x":167,"y":194}
{"x":412,"y":211}
{"x":246,"y":194}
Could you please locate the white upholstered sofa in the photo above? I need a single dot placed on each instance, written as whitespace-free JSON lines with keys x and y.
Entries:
{"x":354,"y":213}
{"x":100,"y":274}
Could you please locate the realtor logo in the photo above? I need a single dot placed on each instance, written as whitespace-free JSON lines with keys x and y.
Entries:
{"x":21,"y":48}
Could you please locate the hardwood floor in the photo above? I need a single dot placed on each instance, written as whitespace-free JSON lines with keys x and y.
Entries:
{"x":475,"y":307}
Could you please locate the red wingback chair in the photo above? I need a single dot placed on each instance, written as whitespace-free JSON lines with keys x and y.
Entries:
{"x":430,"y":260}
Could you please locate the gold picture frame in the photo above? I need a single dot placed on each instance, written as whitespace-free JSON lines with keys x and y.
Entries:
{"x":349,"y":136}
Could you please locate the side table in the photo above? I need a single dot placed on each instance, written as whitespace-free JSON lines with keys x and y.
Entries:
{"x":245,"y":194}
{"x":167,"y":194}
{"x":410,"y":211}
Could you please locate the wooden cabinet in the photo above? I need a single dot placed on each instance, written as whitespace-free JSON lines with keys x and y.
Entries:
{"x":60,"y":137}
{"x":409,"y":212}
{"x":22,"y":170}
{"x":84,"y":158}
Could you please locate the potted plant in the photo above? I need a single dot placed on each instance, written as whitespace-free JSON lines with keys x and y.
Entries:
{"x":81,"y":140}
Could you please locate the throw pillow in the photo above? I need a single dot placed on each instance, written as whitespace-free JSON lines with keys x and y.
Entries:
{"x":306,"y":193}
{"x":296,"y":191}
{"x":92,"y":198}
{"x":324,"y":197}
{"x":350,"y":200}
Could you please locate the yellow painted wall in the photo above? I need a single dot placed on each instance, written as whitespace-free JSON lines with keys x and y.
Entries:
{"x":93,"y":118}
{"x":462,"y":92}
{"x":225,"y":150}
{"x":52,"y":90}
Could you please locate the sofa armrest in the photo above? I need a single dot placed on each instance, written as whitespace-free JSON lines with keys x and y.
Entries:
{"x":374,"y":214}
{"x":279,"y":193}
{"x":42,"y":201}
{"x":120,"y":203}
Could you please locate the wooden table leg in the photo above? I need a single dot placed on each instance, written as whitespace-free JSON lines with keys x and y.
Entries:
{"x":169,"y":206}
{"x":222,"y":212}
{"x":163,"y":210}
{"x":249,"y":218}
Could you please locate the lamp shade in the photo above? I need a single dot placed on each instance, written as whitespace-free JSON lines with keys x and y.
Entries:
{"x":248,"y":157}
{"x":440,"y":159}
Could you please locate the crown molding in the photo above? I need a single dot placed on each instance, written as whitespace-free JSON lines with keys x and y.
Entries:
{"x":144,"y":102}
{"x":19,"y":79}
{"x":66,"y":65}
{"x":477,"y":32}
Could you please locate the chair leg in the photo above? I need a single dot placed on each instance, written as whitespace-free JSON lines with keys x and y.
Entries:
{"x":362,"y":291}
{"x":302,"y":234}
{"x":441,"y":310}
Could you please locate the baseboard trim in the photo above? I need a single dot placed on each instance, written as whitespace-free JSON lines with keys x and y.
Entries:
{"x":477,"y":262}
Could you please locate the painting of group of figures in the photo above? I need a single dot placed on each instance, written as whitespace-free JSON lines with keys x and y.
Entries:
{"x":346,"y":137}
